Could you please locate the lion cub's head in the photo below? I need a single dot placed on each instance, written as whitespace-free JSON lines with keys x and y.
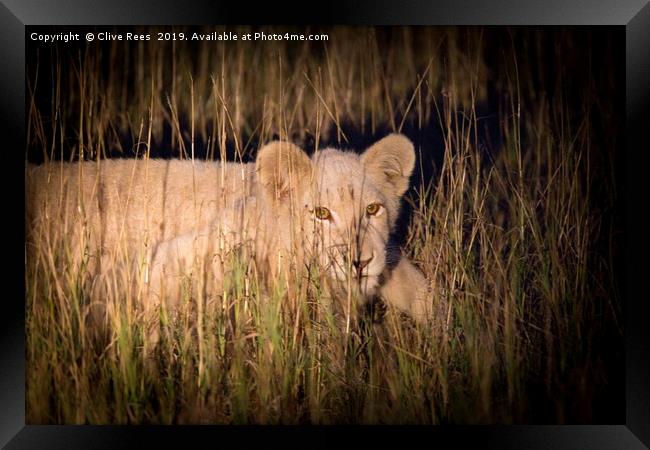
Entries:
{"x":338,"y":208}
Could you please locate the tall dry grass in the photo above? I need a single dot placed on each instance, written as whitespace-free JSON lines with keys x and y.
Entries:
{"x":507,"y":230}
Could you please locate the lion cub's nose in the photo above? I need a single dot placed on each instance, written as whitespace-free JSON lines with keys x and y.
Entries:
{"x":360,"y":264}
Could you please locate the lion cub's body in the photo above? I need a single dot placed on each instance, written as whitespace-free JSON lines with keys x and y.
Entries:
{"x":125,"y":200}
{"x":169,"y":215}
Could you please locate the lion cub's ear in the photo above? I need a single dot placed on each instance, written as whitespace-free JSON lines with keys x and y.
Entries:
{"x":390,"y":161}
{"x":282,"y":166}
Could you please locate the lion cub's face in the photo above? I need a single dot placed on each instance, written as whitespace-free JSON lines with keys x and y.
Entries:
{"x":342,"y":205}
{"x":349,"y":219}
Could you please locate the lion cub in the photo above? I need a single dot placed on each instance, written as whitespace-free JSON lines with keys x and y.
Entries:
{"x":333,"y":211}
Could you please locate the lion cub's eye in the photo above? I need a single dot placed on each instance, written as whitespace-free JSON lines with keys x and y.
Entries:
{"x":373,"y":209}
{"x":322,"y":213}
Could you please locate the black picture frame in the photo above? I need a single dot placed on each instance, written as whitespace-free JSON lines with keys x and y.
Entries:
{"x":634,"y":15}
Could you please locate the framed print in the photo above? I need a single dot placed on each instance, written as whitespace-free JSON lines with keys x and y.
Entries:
{"x":393,"y":221}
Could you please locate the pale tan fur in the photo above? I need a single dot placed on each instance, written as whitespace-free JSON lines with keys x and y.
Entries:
{"x":170,"y":217}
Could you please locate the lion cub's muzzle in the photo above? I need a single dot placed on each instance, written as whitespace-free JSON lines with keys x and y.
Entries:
{"x":361,"y":264}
